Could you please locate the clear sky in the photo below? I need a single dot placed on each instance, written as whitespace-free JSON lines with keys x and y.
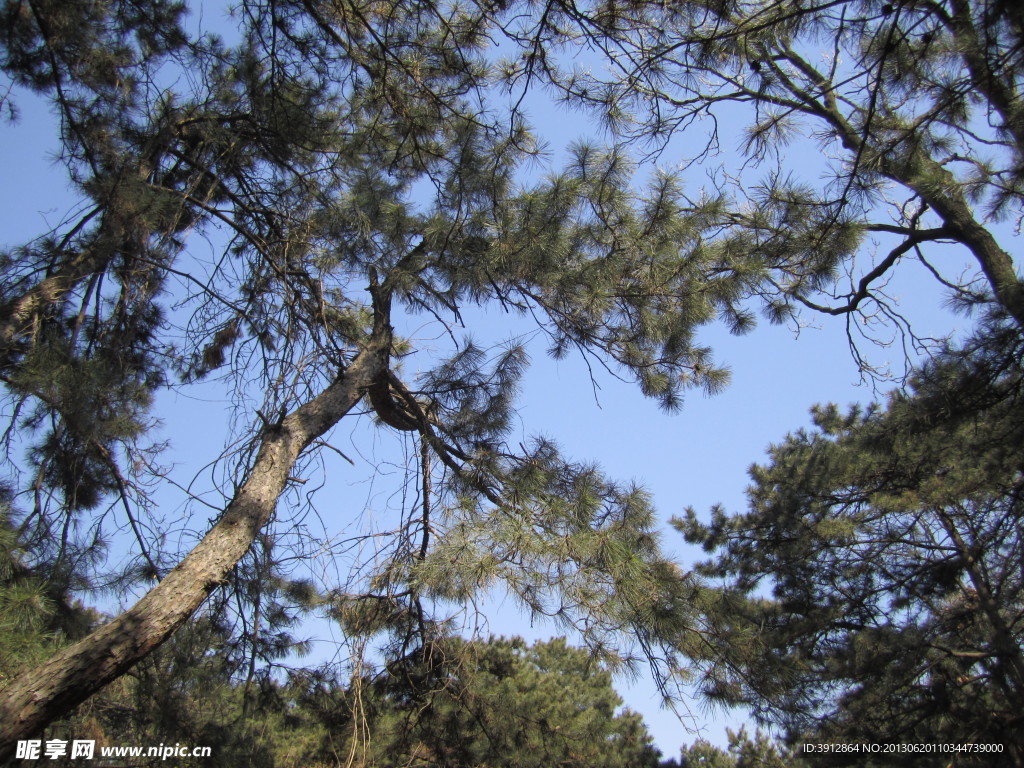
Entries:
{"x":697,"y":457}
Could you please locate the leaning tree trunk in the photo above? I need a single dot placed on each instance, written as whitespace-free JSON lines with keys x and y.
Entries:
{"x":73,"y":675}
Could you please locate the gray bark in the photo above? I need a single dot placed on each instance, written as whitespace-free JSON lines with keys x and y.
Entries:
{"x":73,"y":675}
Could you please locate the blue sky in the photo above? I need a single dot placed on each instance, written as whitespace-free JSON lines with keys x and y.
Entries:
{"x":697,"y":457}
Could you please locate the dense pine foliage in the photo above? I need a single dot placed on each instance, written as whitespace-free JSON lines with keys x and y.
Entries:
{"x":874,"y":586}
{"x":278,"y":211}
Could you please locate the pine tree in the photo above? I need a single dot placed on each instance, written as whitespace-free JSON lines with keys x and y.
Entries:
{"x":38,"y":613}
{"x":498,"y":702}
{"x":359,"y":160}
{"x":308,"y":147}
{"x":911,"y":111}
{"x":873,"y":590}
{"x":743,"y":752}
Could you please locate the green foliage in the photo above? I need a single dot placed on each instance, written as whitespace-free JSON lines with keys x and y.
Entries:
{"x":908,"y":118}
{"x":192,"y":691}
{"x":495,"y":703}
{"x":873,"y":591}
{"x":355,"y":167}
{"x":24,"y":608}
{"x":352,"y":172}
{"x":36,"y":612}
{"x":473,"y":704}
{"x":743,"y":752}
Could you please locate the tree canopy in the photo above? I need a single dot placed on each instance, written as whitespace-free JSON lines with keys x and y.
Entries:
{"x":274,"y":213}
{"x":354,"y":172}
{"x":914,"y":108}
{"x":874,"y":590}
{"x":496,"y":703}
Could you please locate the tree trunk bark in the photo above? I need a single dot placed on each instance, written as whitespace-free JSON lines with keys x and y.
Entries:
{"x":77,"y":672}
{"x":938,"y":187}
{"x":996,"y":263}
